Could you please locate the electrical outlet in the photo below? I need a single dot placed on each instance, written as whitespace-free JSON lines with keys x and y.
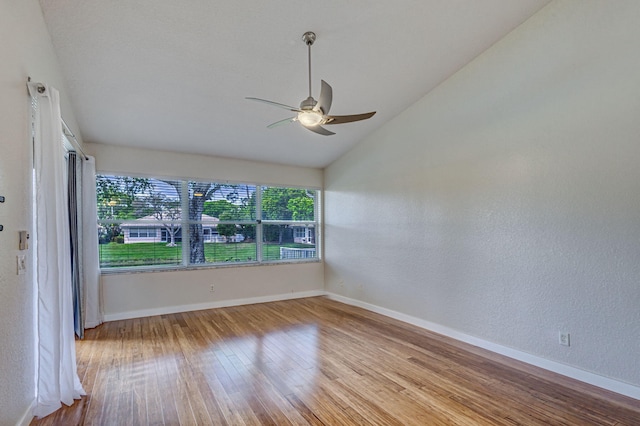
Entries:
{"x":563,"y":338}
{"x":211,"y":289}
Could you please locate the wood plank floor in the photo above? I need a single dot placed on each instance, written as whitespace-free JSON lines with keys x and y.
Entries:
{"x":319,"y":362}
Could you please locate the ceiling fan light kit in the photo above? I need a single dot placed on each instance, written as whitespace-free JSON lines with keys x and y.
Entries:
{"x":313,"y":114}
{"x":309,"y":118}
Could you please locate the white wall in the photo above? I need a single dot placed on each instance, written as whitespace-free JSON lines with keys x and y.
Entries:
{"x":117,"y":159}
{"x":127,"y":295}
{"x":505,"y":204}
{"x":25,"y":50}
{"x":153,"y":293}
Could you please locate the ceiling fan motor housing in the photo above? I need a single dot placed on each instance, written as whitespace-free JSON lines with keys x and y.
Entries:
{"x":308,"y":103}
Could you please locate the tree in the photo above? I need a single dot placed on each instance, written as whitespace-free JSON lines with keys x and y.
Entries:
{"x":199,"y":193}
{"x":243,"y":198}
{"x":247,"y":211}
{"x":167,"y":211}
{"x":283,"y":204}
{"x":217,"y":207}
{"x":227,"y":230}
{"x":301,"y":208}
{"x":239,"y":204}
{"x":116,"y":195}
{"x":116,"y":199}
{"x":248,"y":232}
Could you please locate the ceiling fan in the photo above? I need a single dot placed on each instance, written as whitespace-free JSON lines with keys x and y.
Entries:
{"x":314,"y":114}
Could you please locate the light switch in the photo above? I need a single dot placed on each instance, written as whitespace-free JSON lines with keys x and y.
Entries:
{"x":23,"y":236}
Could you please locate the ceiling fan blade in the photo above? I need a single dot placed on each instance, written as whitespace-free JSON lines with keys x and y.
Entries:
{"x":339,"y":119}
{"x":279,"y":105}
{"x":282,"y":122}
{"x":326,"y":95}
{"x":319,"y":130}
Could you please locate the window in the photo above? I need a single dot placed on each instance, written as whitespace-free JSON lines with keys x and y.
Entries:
{"x":142,"y":233}
{"x":141,"y":223}
{"x":289,"y":215}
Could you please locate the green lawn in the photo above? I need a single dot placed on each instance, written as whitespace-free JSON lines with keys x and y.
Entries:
{"x":114,"y":255}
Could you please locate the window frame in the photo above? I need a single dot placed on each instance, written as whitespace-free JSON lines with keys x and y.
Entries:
{"x":258,"y":222}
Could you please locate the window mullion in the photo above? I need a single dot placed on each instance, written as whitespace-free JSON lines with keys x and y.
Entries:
{"x":317,"y":216}
{"x":259,"y":223}
{"x":184,"y":222}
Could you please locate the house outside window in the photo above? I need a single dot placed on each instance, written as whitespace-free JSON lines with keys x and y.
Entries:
{"x":141,"y":223}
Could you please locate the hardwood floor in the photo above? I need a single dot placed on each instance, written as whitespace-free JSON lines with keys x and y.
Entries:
{"x":319,"y":362}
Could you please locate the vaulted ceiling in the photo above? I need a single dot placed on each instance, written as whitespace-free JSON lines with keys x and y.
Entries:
{"x":173,"y":75}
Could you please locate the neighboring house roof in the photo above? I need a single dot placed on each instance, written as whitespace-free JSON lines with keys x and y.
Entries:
{"x":152,"y":221}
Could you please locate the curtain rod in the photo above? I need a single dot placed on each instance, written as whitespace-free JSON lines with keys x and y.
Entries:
{"x":41,"y":88}
{"x":72,"y":138}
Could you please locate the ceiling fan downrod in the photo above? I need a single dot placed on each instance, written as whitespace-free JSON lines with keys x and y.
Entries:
{"x":309,"y":37}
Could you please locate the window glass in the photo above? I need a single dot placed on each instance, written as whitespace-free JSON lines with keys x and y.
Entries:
{"x":139,"y":221}
{"x":222,"y":220}
{"x":286,"y":242}
{"x":287,"y":204}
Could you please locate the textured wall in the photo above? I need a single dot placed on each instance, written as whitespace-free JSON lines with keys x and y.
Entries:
{"x":158,"y":291}
{"x":505,"y":204}
{"x":25,"y":50}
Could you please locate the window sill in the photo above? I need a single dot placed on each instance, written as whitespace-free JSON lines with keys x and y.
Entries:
{"x":155,"y":269}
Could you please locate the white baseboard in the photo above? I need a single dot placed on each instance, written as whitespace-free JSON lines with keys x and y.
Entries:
{"x":210,"y":305}
{"x":92,"y":324}
{"x":556,"y":367}
{"x":26,"y":418}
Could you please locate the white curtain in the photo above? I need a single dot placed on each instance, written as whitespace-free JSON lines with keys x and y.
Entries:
{"x":57,"y":377}
{"x":90,"y":262}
